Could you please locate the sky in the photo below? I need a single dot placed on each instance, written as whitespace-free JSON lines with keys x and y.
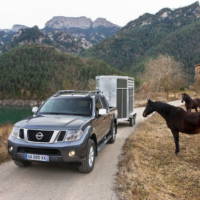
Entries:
{"x":38,"y":12}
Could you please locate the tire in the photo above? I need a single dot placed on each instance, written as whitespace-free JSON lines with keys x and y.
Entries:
{"x":130,"y":121}
{"x":88,"y":164}
{"x":113,"y":132}
{"x":22,"y":163}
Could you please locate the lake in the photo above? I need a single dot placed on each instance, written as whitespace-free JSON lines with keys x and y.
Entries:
{"x":10,"y":114}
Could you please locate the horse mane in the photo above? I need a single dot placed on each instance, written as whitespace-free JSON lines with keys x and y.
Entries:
{"x":187,"y":97}
{"x":165,"y":107}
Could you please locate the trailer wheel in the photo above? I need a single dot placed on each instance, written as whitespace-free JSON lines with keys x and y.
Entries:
{"x":132,"y":120}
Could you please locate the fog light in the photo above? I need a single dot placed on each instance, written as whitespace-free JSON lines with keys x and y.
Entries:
{"x":72,"y":153}
{"x":10,"y":149}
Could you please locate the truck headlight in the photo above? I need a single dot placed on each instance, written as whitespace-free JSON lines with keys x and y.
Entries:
{"x":15,"y":132}
{"x":73,"y":135}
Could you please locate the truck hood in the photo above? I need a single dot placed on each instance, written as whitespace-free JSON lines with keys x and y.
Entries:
{"x":53,"y":122}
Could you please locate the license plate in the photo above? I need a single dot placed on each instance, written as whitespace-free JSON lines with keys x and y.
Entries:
{"x":36,"y":157}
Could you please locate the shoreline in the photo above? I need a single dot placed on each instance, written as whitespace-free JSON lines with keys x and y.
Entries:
{"x":19,"y":102}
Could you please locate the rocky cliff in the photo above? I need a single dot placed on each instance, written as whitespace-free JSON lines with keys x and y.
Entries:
{"x":61,"y":22}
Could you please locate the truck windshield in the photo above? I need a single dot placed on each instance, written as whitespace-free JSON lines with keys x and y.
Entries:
{"x":68,"y":106}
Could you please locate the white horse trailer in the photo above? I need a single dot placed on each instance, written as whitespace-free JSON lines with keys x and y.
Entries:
{"x":119,"y":91}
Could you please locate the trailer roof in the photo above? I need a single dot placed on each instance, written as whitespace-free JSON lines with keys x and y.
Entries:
{"x":115,"y":77}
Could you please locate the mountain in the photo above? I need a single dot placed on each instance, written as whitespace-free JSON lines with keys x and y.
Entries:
{"x":83,"y":27}
{"x":61,"y":22}
{"x":59,"y":39}
{"x":37,"y":71}
{"x":172,"y":32}
{"x":5,"y":38}
{"x":18,"y":27}
{"x":69,"y":34}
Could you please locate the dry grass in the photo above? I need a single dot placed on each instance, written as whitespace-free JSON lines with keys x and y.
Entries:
{"x":4,"y":131}
{"x":149,"y":169}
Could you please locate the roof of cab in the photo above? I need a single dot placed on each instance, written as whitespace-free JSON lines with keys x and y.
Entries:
{"x":76,"y":93}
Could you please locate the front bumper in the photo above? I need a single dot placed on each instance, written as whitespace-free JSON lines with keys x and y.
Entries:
{"x":57,"y":152}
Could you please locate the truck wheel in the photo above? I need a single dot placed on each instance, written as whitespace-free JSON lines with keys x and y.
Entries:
{"x":131,"y":121}
{"x":22,"y":163}
{"x":113,"y":133}
{"x":88,"y":164}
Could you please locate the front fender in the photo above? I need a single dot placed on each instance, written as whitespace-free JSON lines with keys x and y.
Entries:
{"x":91,"y":134}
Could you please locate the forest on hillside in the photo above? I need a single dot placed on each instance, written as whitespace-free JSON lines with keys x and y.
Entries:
{"x":35,"y":72}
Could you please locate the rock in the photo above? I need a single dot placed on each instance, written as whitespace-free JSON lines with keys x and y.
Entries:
{"x":18,"y":27}
{"x":61,"y":22}
{"x":103,"y":22}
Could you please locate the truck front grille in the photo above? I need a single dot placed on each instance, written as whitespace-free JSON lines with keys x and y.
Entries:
{"x":61,"y":135}
{"x":45,"y":136}
{"x":38,"y":151}
{"x":21,"y":133}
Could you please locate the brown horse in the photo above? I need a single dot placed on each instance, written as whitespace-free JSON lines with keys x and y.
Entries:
{"x":177,"y":119}
{"x":190,"y":103}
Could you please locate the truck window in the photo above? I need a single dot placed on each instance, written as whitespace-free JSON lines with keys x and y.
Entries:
{"x":98,"y":105}
{"x":67,"y":106}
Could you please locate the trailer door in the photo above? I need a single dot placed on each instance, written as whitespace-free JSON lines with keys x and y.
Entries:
{"x":122,"y":98}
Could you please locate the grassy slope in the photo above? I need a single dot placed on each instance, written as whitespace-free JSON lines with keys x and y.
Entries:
{"x":149,"y":169}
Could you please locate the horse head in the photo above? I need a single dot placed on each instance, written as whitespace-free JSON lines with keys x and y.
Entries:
{"x":149,"y":108}
{"x":185,"y":97}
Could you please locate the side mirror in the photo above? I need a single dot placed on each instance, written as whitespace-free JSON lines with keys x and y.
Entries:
{"x":102,"y":111}
{"x":34,"y":109}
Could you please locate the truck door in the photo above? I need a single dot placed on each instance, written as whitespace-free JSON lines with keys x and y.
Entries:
{"x":108,"y":117}
{"x":99,"y":121}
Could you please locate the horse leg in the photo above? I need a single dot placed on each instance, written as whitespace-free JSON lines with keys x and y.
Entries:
{"x":176,"y":140}
{"x":188,"y":109}
{"x":196,"y":109}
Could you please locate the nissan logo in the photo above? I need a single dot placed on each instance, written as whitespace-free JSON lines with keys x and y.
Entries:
{"x":39,"y":136}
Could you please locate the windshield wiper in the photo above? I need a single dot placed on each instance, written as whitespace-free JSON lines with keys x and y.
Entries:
{"x":52,"y":113}
{"x":79,"y":114}
{"x":56,"y":113}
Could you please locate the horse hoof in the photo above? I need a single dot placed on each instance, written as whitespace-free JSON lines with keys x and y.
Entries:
{"x":176,"y":152}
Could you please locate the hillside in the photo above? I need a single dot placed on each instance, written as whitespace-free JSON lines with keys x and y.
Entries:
{"x":35,"y":72}
{"x":173,"y":32}
{"x":59,"y":39}
{"x":69,"y":34}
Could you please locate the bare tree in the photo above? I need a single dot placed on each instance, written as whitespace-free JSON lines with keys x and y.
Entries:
{"x":196,"y":85}
{"x":163,"y":74}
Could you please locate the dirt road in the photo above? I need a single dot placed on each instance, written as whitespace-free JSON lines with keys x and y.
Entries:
{"x":58,"y":182}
